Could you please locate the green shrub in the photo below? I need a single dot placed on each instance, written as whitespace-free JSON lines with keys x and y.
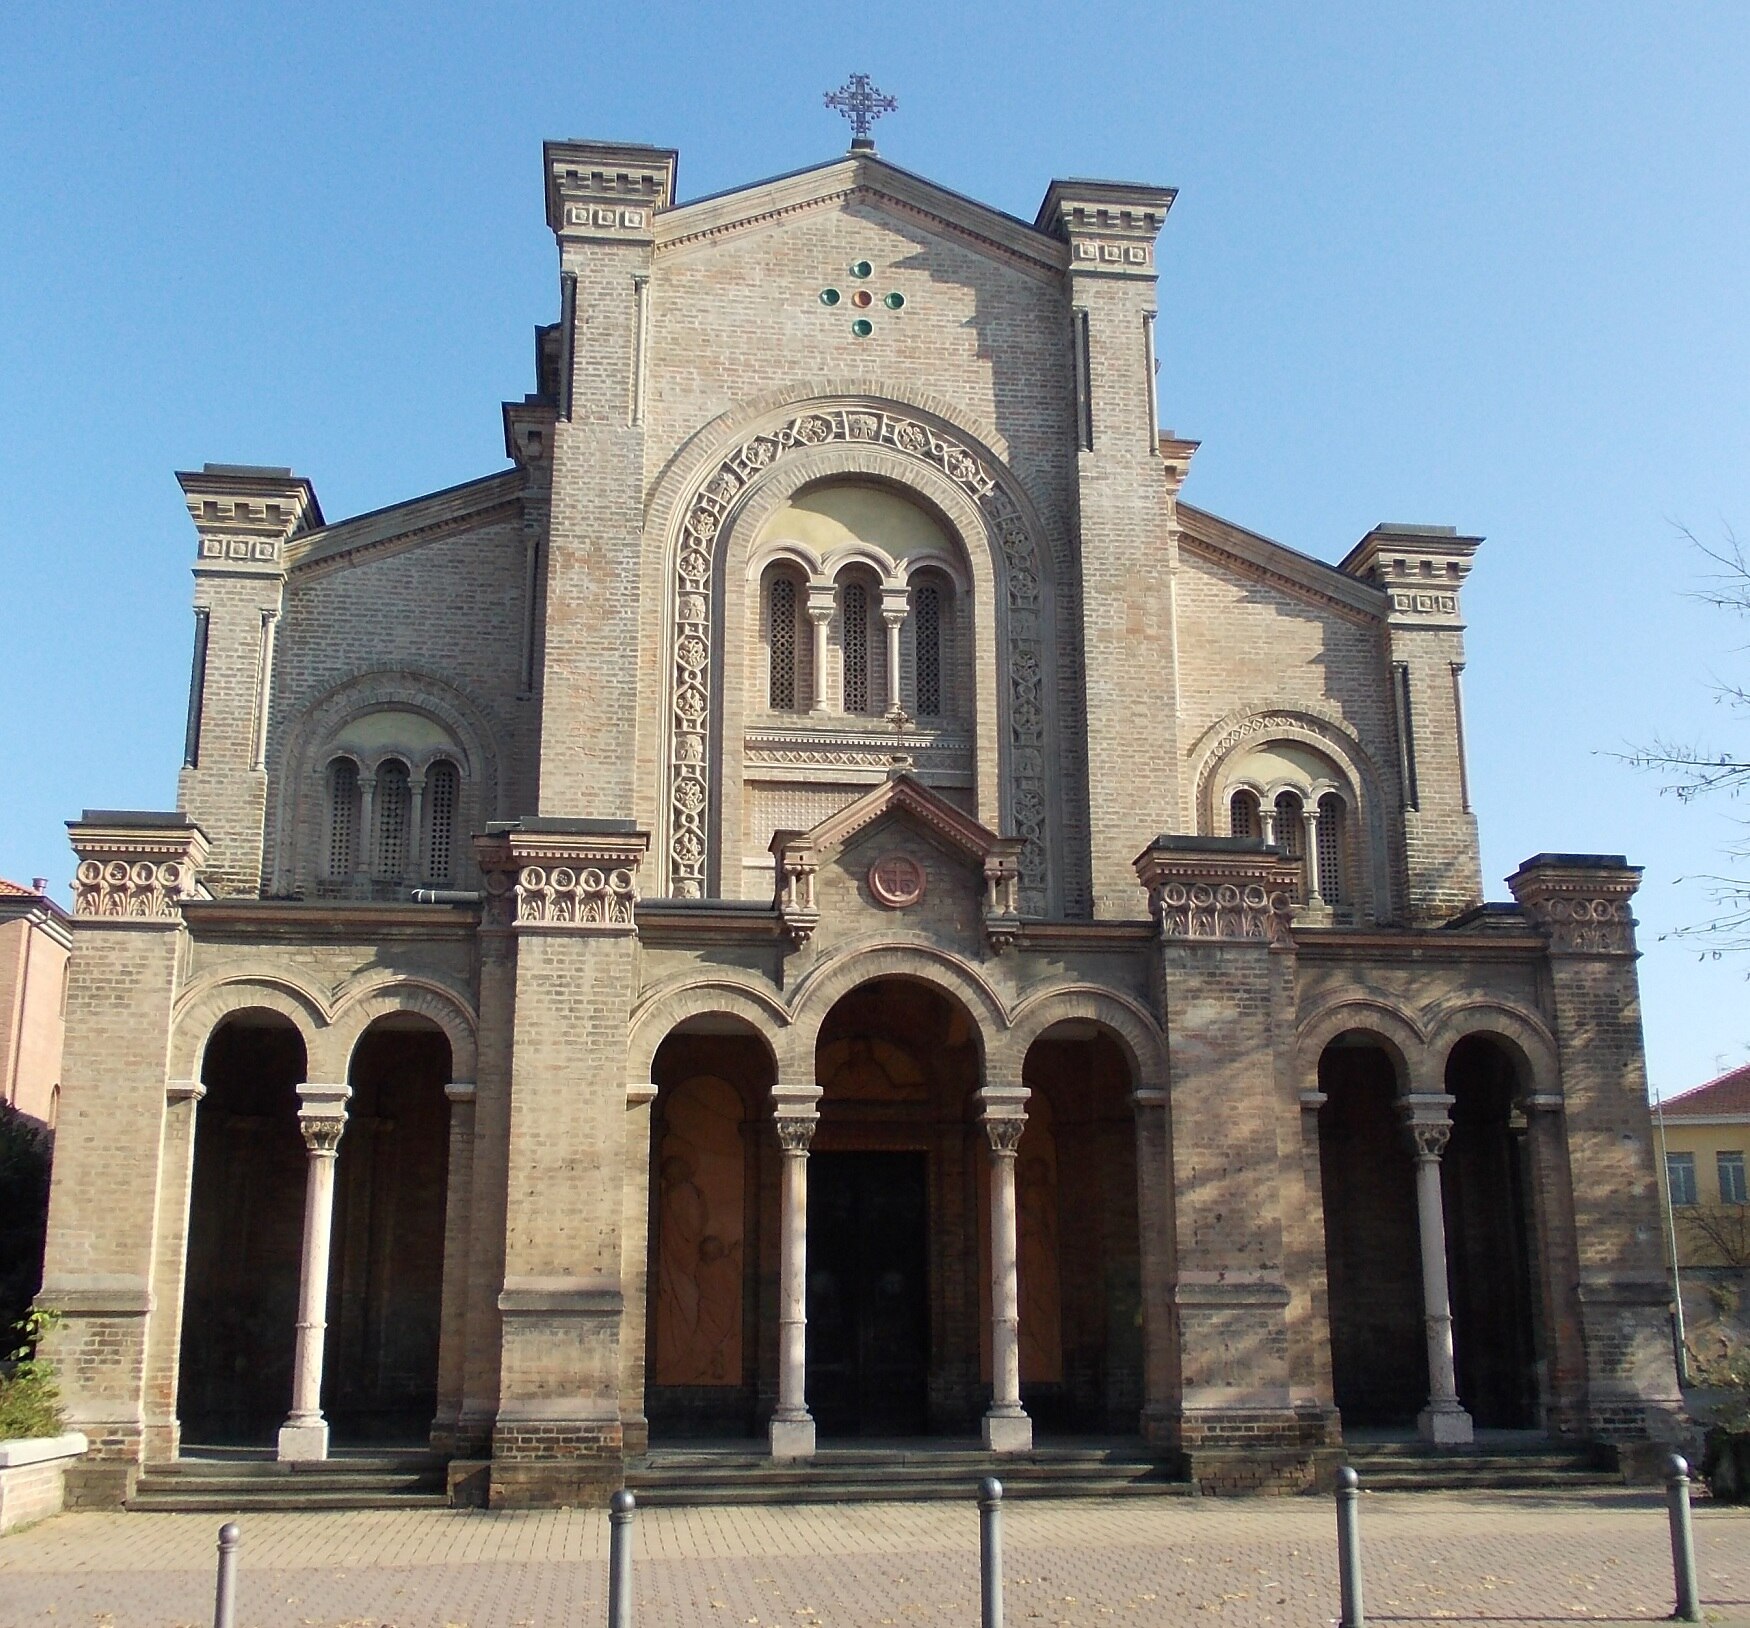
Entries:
{"x":30,"y":1400}
{"x":25,"y":1152}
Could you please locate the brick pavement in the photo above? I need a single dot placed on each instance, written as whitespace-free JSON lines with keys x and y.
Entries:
{"x":1507,"y":1558}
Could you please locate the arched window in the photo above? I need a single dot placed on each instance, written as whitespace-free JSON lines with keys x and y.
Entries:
{"x":394,"y":804}
{"x":781,"y":643}
{"x":1330,"y":854}
{"x":854,"y":636}
{"x":443,"y":785}
{"x":1242,"y":814}
{"x":927,"y":614}
{"x":1290,"y":836}
{"x":343,"y":818}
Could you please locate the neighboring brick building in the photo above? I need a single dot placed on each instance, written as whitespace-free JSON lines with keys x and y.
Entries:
{"x":34,"y":945}
{"x":832,"y":744}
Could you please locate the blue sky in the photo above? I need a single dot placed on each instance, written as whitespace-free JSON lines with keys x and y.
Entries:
{"x":1481,"y":265}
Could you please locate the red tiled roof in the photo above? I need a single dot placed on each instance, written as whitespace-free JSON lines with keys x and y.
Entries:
{"x":1729,"y":1094}
{"x":11,"y":890}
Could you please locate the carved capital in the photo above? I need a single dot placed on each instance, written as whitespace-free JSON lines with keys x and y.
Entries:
{"x":1428,"y":1140}
{"x":571,"y":875}
{"x":1004,"y":1135}
{"x":1580,"y":902}
{"x":794,"y":1132}
{"x":1223,"y":888}
{"x":135,"y":867}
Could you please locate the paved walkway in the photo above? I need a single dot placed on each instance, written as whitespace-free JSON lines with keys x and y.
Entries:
{"x":1515,"y":1558}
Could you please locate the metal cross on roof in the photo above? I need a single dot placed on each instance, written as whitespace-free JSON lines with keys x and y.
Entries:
{"x":862,"y":104}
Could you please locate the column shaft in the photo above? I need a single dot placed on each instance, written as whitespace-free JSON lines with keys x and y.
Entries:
{"x":792,"y":1428}
{"x":322,"y":1119}
{"x":1443,"y":1421}
{"x":1007,"y":1429}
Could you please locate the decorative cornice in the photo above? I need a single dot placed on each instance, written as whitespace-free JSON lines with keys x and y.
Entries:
{"x":406,"y":525}
{"x":1220,"y":888}
{"x":1420,"y":568}
{"x":1580,"y":902}
{"x":607,"y":190}
{"x":244,"y":516}
{"x":571,"y":875}
{"x":1262,"y":559}
{"x":135,"y":867}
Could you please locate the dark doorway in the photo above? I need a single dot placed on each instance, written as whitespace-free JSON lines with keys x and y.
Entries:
{"x":385,"y":1288}
{"x":1487,"y":1240}
{"x":245,"y":1236}
{"x":1379,"y":1355}
{"x":868,"y":1300}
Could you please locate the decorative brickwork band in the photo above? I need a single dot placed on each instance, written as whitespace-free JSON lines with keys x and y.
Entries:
{"x":135,"y":867}
{"x":1218,"y":888}
{"x":723,"y":489}
{"x":574,"y":875}
{"x":1580,"y":901}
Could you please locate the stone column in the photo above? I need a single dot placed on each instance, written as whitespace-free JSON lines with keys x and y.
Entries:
{"x":895,"y":604}
{"x":1007,"y":1429}
{"x":1443,"y":1422}
{"x":822,"y":602}
{"x":322,"y":1119}
{"x":1309,"y":825}
{"x":792,"y":1428}
{"x":366,"y":853}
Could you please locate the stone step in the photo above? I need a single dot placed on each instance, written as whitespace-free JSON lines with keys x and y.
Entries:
{"x":262,"y":1500}
{"x":373,"y":1481}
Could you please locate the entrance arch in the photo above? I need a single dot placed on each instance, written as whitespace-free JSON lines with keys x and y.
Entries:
{"x":896,"y":1228}
{"x":1488,"y":1236}
{"x":713,"y":1075}
{"x":1080,"y":1284}
{"x":1379,"y":1355}
{"x":385,"y":1287}
{"x":245,"y":1232}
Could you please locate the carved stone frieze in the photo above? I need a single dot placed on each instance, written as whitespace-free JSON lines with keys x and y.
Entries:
{"x":136,"y":868}
{"x":803,"y":753}
{"x":1218,"y":888}
{"x":582,"y":879}
{"x":1580,"y":901}
{"x":694,"y":589}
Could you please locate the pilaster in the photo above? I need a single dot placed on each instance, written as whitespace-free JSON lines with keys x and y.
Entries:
{"x":1124,"y":516}
{"x":1224,"y":951}
{"x":602,"y":201}
{"x":1422,"y":569}
{"x":135,"y":870}
{"x":243,"y":517}
{"x":565,"y":889}
{"x":1581,"y":904}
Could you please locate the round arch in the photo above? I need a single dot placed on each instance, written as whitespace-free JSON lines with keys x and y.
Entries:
{"x":1129,"y":1023}
{"x":709,"y":518}
{"x":1520,"y":1032}
{"x":359,"y":1008}
{"x":1395,"y":1032}
{"x":666,"y":1008}
{"x":207,"y":1004}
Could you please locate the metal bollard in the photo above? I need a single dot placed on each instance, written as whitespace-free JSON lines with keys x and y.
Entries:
{"x":1682,"y":1540}
{"x":990,"y":1551}
{"x":620,"y":1508}
{"x":1349,"y":1547}
{"x":225,"y":1590}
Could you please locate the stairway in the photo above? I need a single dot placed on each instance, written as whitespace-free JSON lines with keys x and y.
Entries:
{"x":1493,"y":1466}
{"x":233,"y":1483}
{"x":677,"y":1475}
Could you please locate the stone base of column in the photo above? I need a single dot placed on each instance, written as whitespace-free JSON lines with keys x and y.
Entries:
{"x":793,"y":1438}
{"x":1008,"y":1433}
{"x":303,"y":1443}
{"x":1445,"y":1427}
{"x":543,"y":1463}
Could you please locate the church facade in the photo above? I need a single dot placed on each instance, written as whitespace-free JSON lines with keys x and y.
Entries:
{"x":825,"y":901}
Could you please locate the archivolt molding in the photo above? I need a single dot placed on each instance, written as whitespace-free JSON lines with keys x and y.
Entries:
{"x":660,"y":1010}
{"x":918,"y":960}
{"x":871,"y":435}
{"x":204,"y":1005}
{"x":358,"y":1007}
{"x":1399,"y":1031}
{"x":299,"y":758}
{"x":1129,"y":1022}
{"x":1455,"y":1019}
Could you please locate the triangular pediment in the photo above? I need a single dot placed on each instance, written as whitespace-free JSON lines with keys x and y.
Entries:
{"x":860,"y":178}
{"x":904,"y":795}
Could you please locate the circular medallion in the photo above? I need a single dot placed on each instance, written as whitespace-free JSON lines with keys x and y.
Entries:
{"x":897,"y":881}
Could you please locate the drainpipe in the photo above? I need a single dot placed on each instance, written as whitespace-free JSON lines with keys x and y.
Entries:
{"x":1677,"y":1329}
